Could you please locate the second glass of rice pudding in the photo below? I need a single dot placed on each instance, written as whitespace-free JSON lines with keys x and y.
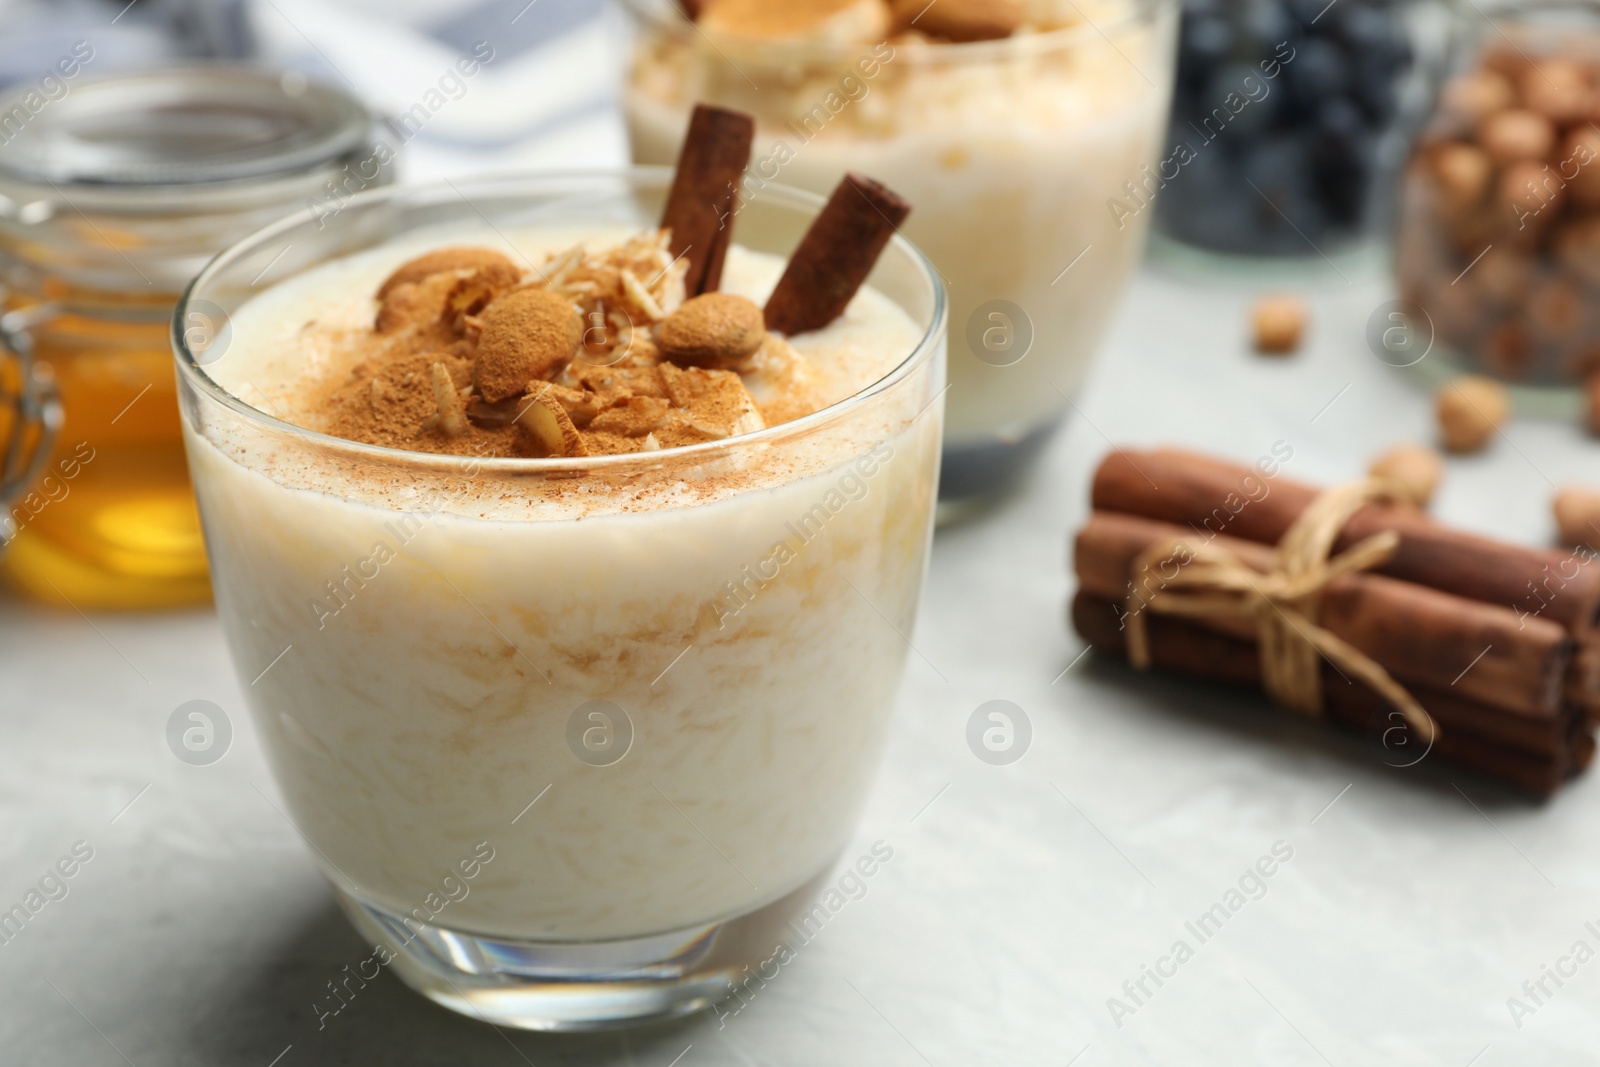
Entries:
{"x":574,"y":670}
{"x":1026,"y":132}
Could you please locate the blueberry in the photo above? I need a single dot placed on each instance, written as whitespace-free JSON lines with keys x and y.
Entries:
{"x":1341,"y":155}
{"x":1341,"y":118}
{"x":1267,"y":24}
{"x":1239,"y":100}
{"x":1317,"y":72}
{"x":1311,"y":14}
{"x":1376,"y":90}
{"x":1286,"y":204}
{"x":1376,"y":38}
{"x":1207,"y":39}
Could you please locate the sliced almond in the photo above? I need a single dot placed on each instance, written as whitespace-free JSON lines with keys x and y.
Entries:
{"x":451,"y":419}
{"x":551,"y":428}
{"x":712,"y":402}
{"x":634,"y":416}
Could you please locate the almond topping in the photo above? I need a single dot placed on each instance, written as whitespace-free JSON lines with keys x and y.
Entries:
{"x":714,"y":402}
{"x":496,"y":268}
{"x":551,"y":428}
{"x":633,"y":416}
{"x":451,"y":419}
{"x":414,"y":304}
{"x":527,"y":334}
{"x":713,"y":330}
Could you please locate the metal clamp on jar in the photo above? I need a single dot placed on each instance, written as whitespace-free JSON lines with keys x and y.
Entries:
{"x":112,"y":196}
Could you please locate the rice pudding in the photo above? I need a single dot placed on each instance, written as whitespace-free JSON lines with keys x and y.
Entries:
{"x":1025,"y":145}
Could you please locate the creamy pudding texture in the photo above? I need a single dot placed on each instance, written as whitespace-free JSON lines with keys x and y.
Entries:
{"x":1011,"y":151}
{"x":440,"y":618}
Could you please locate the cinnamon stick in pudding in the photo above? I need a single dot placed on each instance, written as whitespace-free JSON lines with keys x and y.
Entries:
{"x":1537,"y":756}
{"x":1419,"y":635}
{"x":704,"y":192}
{"x":835,"y":256}
{"x":1211,"y":495}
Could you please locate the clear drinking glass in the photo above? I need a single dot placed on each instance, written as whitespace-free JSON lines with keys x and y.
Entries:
{"x":564,"y":773}
{"x":1029,"y":163}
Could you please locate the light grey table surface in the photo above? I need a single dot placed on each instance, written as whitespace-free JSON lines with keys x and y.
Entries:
{"x":1018,"y":900}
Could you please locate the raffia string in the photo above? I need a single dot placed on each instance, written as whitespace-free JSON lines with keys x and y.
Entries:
{"x":1285,"y":602}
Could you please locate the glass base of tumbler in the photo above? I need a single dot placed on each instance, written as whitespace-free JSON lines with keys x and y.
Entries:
{"x":974,"y":476}
{"x":575,"y":985}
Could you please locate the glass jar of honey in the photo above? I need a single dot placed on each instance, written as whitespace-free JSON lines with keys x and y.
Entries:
{"x":114,"y":192}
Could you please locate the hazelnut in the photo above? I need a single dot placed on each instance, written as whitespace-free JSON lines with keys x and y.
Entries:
{"x":1508,"y":350}
{"x":497,"y":269}
{"x":1278,"y":321}
{"x":1503,"y":275}
{"x":1414,"y":470}
{"x":1580,"y":165}
{"x":1517,"y":134}
{"x":1462,"y":172}
{"x":960,"y":20}
{"x":1558,"y":89}
{"x":711,"y":330}
{"x":1591,"y":392}
{"x":1509,"y":62}
{"x":528,"y":334}
{"x":1457,"y":311}
{"x":1475,"y":96}
{"x":1577,"y":514}
{"x":1530,"y":197}
{"x":1470,"y":409}
{"x":1556,"y":309}
{"x":1578,"y":247}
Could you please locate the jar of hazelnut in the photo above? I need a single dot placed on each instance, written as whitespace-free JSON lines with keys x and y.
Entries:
{"x":1498,"y":242}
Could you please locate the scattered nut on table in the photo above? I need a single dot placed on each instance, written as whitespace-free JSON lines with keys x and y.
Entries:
{"x":1414,"y":469}
{"x":1470,"y":409}
{"x":1279,"y":320}
{"x":1577,"y":513}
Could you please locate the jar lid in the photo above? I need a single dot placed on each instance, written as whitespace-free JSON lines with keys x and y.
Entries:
{"x":179,"y":126}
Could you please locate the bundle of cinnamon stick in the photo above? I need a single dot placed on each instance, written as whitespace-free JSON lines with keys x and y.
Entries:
{"x":1499,"y":643}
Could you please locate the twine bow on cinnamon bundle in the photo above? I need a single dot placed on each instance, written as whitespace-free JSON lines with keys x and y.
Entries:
{"x":1215,"y":583}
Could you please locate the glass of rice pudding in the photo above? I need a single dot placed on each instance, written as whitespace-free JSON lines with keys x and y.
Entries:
{"x":572,"y":610}
{"x":1026,"y":132}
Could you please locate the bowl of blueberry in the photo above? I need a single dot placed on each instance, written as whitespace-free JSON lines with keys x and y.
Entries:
{"x":1291,"y":119}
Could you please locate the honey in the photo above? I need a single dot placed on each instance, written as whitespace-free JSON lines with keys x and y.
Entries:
{"x":111,"y":198}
